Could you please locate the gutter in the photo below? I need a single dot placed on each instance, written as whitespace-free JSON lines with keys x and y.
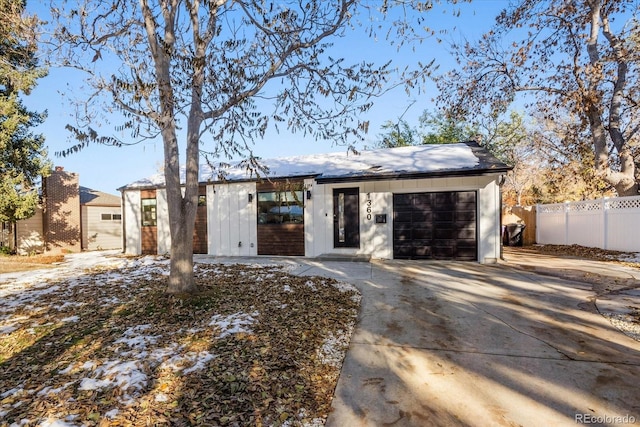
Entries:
{"x":412,"y":175}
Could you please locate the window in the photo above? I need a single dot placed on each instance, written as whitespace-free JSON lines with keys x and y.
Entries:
{"x":280,"y":207}
{"x":111,"y":217}
{"x":149,"y":212}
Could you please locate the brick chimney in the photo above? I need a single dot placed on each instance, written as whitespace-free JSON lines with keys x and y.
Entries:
{"x":61,"y":200}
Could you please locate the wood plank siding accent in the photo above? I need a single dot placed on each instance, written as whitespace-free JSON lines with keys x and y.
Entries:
{"x":150,"y":232}
{"x":280,"y":239}
{"x":200,"y":243}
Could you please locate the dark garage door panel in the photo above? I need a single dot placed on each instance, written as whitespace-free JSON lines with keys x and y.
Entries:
{"x":439,"y":225}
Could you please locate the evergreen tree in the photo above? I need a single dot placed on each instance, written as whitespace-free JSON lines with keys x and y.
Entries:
{"x":22,"y":154}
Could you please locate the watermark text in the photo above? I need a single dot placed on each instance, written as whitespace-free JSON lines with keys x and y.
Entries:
{"x":604,"y":419}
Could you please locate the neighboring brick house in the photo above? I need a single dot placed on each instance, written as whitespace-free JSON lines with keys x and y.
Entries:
{"x":61,"y":211}
{"x":70,"y":219}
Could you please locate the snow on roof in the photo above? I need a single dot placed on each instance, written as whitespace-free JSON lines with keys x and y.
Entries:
{"x":375,"y":164}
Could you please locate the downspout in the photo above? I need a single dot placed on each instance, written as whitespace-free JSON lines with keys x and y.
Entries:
{"x":501,"y":181}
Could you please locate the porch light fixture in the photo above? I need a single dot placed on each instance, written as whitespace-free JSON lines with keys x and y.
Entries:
{"x":308,"y":194}
{"x":250,"y":197}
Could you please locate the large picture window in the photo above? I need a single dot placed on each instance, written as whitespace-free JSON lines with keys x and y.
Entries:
{"x":149,"y":212}
{"x":280,"y":207}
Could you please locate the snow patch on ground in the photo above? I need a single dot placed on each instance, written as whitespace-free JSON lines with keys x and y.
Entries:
{"x":334,"y":347}
{"x":234,"y":323}
{"x":630,"y":257}
{"x":626,"y":323}
{"x":348,"y":287}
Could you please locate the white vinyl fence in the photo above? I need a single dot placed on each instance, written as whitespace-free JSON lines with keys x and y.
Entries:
{"x":609,"y":223}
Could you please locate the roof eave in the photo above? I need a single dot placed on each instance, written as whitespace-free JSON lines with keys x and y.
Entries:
{"x":413,"y":175}
{"x":220,"y":181}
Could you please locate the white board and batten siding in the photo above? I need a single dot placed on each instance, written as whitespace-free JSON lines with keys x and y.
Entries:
{"x":231,"y":220}
{"x":376,"y":197}
{"x":101,"y":227}
{"x":132,"y":211}
{"x":609,"y":223}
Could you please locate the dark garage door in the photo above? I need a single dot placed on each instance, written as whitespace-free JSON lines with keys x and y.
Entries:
{"x":440,"y":225}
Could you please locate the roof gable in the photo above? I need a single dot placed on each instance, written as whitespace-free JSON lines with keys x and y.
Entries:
{"x":91,"y":197}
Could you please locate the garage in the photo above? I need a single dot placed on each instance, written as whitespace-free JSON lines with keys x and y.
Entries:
{"x":436,"y":225}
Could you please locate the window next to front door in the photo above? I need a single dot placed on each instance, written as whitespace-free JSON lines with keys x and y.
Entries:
{"x":346,"y":217}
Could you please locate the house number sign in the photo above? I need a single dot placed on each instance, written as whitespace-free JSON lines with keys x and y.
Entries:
{"x":369,"y":204}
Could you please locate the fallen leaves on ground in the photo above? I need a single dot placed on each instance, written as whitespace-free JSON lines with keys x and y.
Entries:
{"x":589,"y":253}
{"x":256,"y":346}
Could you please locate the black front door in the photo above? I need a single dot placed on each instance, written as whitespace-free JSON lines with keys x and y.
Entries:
{"x":346,"y":218}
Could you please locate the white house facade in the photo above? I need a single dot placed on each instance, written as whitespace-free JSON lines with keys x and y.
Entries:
{"x":424,"y":202}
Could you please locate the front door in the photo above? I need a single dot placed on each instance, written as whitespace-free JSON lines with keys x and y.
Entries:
{"x":346,"y":218}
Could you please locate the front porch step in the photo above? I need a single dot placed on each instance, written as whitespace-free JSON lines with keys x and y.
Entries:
{"x":343,"y":258}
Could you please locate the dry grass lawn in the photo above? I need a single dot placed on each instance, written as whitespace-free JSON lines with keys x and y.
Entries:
{"x":16,"y":263}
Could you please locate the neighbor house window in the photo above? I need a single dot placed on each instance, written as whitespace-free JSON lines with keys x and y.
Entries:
{"x":111,"y":217}
{"x":280,"y":207}
{"x":149,"y":212}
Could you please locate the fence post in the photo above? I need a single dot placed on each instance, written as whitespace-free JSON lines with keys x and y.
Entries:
{"x":566,"y":223}
{"x":537,"y":222}
{"x":605,"y":223}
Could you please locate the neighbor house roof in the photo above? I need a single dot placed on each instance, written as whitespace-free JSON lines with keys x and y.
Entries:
{"x":91,"y":197}
{"x":422,"y":161}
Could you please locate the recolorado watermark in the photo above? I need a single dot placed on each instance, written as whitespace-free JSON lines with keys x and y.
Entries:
{"x":604,"y":419}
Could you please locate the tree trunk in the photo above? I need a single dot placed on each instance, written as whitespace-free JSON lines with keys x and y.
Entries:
{"x":623,"y":181}
{"x":182,"y":215}
{"x":181,"y":280}
{"x":182,"y":223}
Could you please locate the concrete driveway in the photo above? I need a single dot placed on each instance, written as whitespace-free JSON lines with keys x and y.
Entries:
{"x":446,"y":343}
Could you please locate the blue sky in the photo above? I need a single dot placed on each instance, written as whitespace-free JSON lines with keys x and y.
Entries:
{"x":107,"y":168}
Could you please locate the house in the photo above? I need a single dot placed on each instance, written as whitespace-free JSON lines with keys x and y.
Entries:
{"x":70,"y":218}
{"x":101,"y":220}
{"x":418,"y":202}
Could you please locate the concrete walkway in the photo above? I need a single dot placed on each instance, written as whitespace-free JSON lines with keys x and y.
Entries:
{"x":446,"y":343}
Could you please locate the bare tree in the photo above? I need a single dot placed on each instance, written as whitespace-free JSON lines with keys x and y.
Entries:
{"x":576,"y":57}
{"x":225,"y":70}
